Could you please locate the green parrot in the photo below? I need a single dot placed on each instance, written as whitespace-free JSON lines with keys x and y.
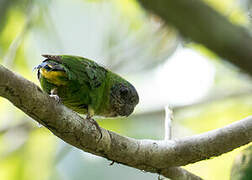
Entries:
{"x":86,"y":87}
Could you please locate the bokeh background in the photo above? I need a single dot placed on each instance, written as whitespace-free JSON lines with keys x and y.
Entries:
{"x":204,"y":91}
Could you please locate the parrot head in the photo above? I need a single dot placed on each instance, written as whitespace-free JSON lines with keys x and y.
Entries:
{"x":52,"y":71}
{"x":123,"y":98}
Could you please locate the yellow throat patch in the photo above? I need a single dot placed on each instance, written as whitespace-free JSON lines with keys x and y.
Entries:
{"x":54,"y":77}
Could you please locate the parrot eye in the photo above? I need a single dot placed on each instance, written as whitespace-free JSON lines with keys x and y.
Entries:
{"x":124,"y":92}
{"x":48,"y":68}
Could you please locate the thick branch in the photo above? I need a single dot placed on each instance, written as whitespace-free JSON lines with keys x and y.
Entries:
{"x":202,"y":24}
{"x":148,"y":155}
{"x":75,"y":130}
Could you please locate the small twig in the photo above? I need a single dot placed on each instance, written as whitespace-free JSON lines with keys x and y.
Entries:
{"x":112,"y":163}
{"x":168,"y":123}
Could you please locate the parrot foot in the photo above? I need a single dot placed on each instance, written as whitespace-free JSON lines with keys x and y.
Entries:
{"x":96,"y":125}
{"x":56,"y":97}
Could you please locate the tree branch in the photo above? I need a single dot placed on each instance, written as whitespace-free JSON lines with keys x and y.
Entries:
{"x":148,"y":155}
{"x":79,"y":132}
{"x":199,"y":22}
{"x":153,"y":156}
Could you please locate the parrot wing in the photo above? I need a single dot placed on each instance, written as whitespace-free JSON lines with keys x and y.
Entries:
{"x":81,"y":69}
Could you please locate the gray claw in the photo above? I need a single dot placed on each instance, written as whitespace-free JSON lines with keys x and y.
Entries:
{"x":96,"y":125}
{"x":56,"y":97}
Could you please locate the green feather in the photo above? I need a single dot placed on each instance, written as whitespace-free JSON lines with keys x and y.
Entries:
{"x":83,"y":70}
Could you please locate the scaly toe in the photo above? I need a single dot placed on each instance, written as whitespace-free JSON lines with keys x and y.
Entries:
{"x":56,"y":97}
{"x":96,"y":125}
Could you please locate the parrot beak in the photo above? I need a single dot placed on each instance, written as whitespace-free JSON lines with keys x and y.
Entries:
{"x":40,"y":66}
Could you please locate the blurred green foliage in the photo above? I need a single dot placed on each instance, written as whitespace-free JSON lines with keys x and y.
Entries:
{"x":130,"y":41}
{"x":242,"y":167}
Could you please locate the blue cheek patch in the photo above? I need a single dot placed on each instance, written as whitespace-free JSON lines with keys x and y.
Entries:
{"x":40,"y":66}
